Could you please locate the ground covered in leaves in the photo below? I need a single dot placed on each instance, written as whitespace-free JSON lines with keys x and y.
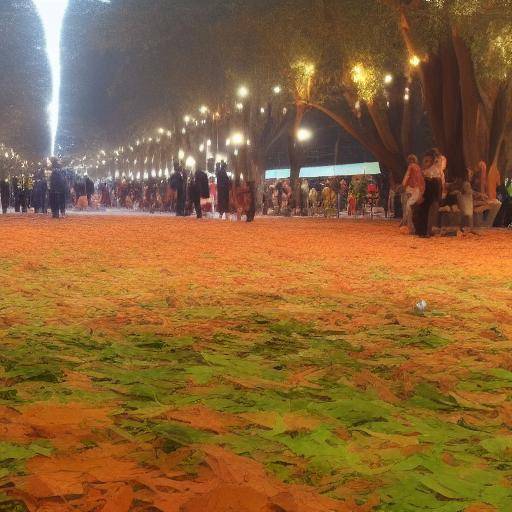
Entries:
{"x":175,"y":365}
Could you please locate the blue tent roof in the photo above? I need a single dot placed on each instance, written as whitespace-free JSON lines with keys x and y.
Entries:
{"x":327,"y":170}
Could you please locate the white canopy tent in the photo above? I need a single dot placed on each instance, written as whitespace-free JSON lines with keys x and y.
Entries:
{"x":365,"y":168}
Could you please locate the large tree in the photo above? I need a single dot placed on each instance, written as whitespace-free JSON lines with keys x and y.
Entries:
{"x":370,"y":58}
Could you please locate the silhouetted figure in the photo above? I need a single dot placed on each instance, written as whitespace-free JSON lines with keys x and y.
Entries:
{"x":223,"y":187}
{"x":89,"y":189}
{"x":57,"y":191}
{"x":5,"y":195}
{"x":176,"y":184}
{"x":39,"y":194}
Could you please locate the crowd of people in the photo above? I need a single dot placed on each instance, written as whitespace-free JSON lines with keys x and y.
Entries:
{"x":184,"y":192}
{"x":431,"y":203}
{"x":326,"y":197}
{"x":425,"y":200}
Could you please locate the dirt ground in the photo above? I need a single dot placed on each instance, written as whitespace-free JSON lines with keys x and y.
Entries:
{"x":176,"y":365}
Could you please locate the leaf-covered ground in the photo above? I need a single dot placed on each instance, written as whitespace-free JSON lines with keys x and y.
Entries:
{"x":160,"y":364}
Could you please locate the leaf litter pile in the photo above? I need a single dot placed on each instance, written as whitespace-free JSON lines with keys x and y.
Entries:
{"x":156,"y":364}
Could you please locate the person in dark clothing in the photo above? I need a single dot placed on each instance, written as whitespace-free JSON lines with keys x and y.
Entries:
{"x":89,"y":189}
{"x":423,"y":213}
{"x":176,"y":184}
{"x":201,"y":179}
{"x":5,"y":195}
{"x":194,"y":192}
{"x":57,"y":191}
{"x":223,"y":187}
{"x":39,"y":194}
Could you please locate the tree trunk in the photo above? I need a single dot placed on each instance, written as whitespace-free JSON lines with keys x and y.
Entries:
{"x":499,"y":122}
{"x":296,"y":154}
{"x":470,"y":99}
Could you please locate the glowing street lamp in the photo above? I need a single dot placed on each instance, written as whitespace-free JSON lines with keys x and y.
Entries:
{"x":203,"y":109}
{"x":304,"y":134}
{"x":187,"y":119}
{"x":277,"y":89}
{"x":237,"y":139}
{"x":388,"y":79}
{"x":161,"y":131}
{"x":415,"y":61}
{"x":181,"y":154}
{"x":243,"y":92}
{"x":190,"y":162}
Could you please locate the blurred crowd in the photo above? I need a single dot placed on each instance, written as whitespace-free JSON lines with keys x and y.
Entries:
{"x":425,"y":201}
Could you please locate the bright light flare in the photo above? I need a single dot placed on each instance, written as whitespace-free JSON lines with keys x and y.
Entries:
{"x":52,"y":14}
{"x":304,"y":134}
{"x":415,"y":61}
{"x":237,"y":139}
{"x":243,"y":92}
{"x":190,"y":162}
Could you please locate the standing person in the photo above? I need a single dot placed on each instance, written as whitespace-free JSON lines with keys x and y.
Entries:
{"x":426,"y":214}
{"x":199,"y":189}
{"x":176,"y":184}
{"x":89,"y":189}
{"x":280,"y":193}
{"x":5,"y":193}
{"x":39,"y":194}
{"x":414,"y":186}
{"x":223,"y":188}
{"x":57,"y":191}
{"x":194,"y":193}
